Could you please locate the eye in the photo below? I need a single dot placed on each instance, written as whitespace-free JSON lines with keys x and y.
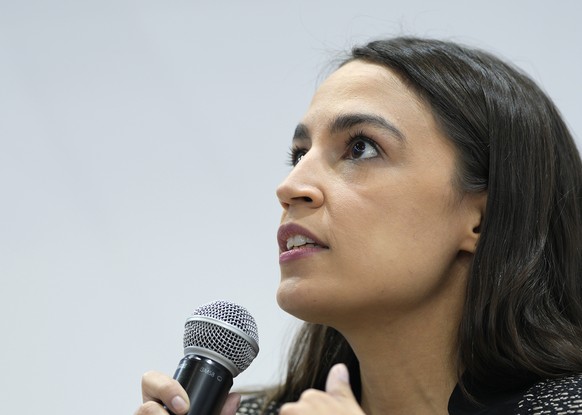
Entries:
{"x":295,"y":155}
{"x":361,"y":147}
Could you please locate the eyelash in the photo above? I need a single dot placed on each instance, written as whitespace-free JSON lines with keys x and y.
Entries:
{"x":295,"y":153}
{"x":360,"y":135}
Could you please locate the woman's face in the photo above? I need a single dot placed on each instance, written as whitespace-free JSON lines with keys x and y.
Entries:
{"x":372,"y":222}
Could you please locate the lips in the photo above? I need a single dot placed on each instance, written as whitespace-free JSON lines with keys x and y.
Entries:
{"x":292,"y":237}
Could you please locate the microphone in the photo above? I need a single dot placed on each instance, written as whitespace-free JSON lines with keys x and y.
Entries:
{"x":220,"y":341}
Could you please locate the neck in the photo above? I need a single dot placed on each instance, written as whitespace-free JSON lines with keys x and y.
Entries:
{"x":402,"y":377}
{"x":408,"y":362}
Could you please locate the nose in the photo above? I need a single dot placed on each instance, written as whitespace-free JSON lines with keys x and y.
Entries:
{"x":303,"y":185}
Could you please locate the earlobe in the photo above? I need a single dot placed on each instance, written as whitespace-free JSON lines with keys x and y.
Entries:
{"x":475,"y":205}
{"x":470,"y":243}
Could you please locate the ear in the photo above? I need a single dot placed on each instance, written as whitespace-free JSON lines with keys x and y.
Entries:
{"x":474,"y":211}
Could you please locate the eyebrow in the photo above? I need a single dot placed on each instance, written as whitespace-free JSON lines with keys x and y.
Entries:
{"x":301,"y":132}
{"x":346,"y":121}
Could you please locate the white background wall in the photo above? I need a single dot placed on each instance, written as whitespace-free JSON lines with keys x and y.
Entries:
{"x":140,"y":146}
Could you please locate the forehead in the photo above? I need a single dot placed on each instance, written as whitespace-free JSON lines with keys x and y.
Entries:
{"x":372,"y":91}
{"x":365,"y":87}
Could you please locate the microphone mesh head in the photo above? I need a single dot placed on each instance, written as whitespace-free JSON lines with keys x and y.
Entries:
{"x":226,"y":329}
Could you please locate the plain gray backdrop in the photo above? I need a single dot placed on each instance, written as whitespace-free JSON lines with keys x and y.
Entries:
{"x":141,"y":143}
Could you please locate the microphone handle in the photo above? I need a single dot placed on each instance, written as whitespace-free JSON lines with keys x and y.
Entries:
{"x":206,"y":382}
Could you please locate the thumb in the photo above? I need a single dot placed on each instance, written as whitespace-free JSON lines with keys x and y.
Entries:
{"x":338,"y":382}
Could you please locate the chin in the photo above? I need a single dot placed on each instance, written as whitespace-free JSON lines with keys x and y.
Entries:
{"x":301,"y":302}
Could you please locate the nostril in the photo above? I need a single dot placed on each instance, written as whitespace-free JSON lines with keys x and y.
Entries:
{"x":308,"y":196}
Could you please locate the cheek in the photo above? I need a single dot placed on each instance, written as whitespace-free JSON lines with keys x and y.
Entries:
{"x":381,"y":219}
{"x":402,"y":234}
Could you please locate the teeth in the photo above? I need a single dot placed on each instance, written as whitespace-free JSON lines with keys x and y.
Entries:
{"x":298,"y":240}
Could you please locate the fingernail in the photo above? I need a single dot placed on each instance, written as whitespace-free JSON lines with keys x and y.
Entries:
{"x":179,"y":404}
{"x":341,"y":372}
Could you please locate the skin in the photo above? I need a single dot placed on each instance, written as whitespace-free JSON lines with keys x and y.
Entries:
{"x":398,"y":235}
{"x":159,"y":389}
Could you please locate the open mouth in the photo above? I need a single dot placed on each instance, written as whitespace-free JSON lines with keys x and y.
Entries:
{"x":301,"y":242}
{"x":293,"y":237}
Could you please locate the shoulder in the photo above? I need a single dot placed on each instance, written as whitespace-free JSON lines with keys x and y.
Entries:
{"x":255,"y":405}
{"x":553,"y":396}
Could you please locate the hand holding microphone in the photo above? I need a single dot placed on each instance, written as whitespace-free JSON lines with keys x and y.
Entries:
{"x":162,"y":393}
{"x":220,"y":341}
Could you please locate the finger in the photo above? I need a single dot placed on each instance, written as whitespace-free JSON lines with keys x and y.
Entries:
{"x":231,"y":405}
{"x":158,"y":387}
{"x":151,"y":408}
{"x":310,"y":402}
{"x":338,"y":382}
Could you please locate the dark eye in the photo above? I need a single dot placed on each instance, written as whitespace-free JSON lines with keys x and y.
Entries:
{"x":362,"y":148}
{"x":295,"y":155}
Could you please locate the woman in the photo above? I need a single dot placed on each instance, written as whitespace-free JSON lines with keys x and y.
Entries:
{"x":431,"y":240}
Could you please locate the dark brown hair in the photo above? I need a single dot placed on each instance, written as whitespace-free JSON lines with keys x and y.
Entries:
{"x":522,"y":319}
